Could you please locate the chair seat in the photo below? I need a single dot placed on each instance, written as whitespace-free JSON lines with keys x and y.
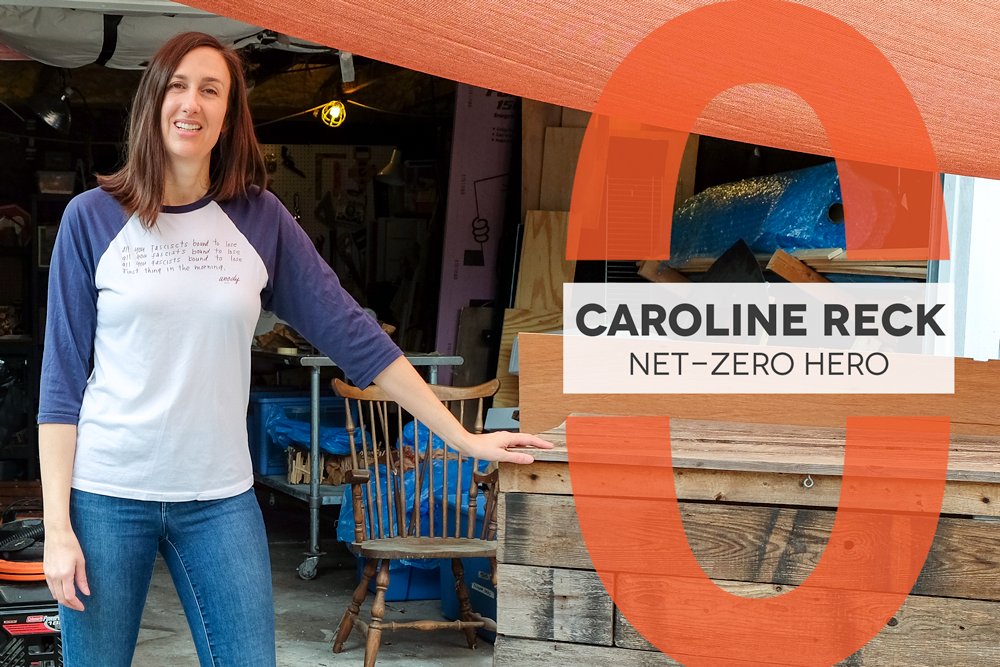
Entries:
{"x":425,"y":547}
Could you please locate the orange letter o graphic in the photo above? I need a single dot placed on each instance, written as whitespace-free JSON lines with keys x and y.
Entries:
{"x":621,"y":467}
{"x":876,"y":132}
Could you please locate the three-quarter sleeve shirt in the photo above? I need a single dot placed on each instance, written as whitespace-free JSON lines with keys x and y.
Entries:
{"x":168,"y":315}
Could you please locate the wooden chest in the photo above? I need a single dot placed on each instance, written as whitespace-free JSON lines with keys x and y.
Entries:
{"x":758,"y":520}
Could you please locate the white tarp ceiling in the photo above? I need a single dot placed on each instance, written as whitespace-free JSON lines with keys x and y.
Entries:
{"x":120,"y":35}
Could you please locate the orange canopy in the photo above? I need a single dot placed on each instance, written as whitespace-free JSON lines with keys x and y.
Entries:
{"x":563,"y":52}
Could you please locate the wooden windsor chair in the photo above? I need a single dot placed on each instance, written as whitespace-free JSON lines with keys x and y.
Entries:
{"x":382,"y":529}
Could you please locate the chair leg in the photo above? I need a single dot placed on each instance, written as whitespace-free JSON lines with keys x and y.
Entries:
{"x":347,"y":623}
{"x":464,"y":606}
{"x":378,"y":611}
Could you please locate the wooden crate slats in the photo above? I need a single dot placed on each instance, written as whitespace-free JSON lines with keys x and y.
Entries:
{"x":737,"y":486}
{"x":812,"y":450}
{"x":927,"y":632}
{"x":751,"y":522}
{"x":538,"y":477}
{"x":973,"y":407}
{"x":547,"y":603}
{"x":747,"y":543}
{"x":517,"y":652}
{"x":524,"y":519}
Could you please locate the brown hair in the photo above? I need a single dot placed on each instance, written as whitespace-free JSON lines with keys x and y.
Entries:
{"x":236,"y":162}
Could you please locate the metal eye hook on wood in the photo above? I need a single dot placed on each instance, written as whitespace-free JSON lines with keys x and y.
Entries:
{"x":808,"y":482}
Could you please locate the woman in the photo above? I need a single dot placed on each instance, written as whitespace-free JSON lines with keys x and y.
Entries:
{"x":160,"y":274}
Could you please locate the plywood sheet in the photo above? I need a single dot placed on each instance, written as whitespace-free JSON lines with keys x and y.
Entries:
{"x":535,"y":117}
{"x":574,"y":117}
{"x":516,"y":321}
{"x":562,"y":150}
{"x":544,"y":267}
{"x":472,"y":346}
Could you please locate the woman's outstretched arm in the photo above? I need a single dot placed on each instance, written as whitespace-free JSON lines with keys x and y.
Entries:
{"x":405,"y":386}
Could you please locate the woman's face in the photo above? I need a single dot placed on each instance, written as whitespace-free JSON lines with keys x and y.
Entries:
{"x":194,"y":107}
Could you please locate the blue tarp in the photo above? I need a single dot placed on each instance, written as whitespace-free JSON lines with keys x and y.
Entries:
{"x":286,"y":431}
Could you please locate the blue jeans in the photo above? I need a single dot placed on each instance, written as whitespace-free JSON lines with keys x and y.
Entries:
{"x":217,"y":554}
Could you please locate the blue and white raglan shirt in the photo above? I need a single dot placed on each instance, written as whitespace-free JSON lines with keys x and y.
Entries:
{"x":169,"y":315}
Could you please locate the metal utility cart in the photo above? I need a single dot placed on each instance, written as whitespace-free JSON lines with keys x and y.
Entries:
{"x":313,"y":493}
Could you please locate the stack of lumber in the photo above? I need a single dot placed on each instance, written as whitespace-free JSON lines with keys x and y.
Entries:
{"x":551,"y":137}
{"x":757,"y":529}
{"x":539,"y":295}
{"x":333,"y":467}
{"x":831,"y":260}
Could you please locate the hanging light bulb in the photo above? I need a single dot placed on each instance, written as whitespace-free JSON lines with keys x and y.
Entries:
{"x":332,"y":113}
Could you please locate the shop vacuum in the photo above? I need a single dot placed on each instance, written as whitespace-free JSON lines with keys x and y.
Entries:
{"x":29,"y":616}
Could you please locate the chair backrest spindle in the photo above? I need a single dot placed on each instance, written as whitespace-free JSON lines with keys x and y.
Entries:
{"x":391,"y":482}
{"x":473,"y":487}
{"x":369,"y":519}
{"x":360,"y":532}
{"x":429,"y":452}
{"x":418,"y":481}
{"x":350,"y":432}
{"x":378,"y":478}
{"x":400,"y":486}
{"x":458,"y":478}
{"x":473,"y":501}
{"x":444,"y":490}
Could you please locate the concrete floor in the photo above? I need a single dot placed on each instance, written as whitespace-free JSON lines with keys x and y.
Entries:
{"x":307,"y":612}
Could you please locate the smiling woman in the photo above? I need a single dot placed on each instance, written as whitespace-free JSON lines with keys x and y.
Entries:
{"x":160,"y":275}
{"x":192,"y":81}
{"x":192,"y":118}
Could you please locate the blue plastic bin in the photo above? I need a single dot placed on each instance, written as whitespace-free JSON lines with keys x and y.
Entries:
{"x":407,"y":582}
{"x":267,"y":456}
{"x":479,"y":581}
{"x":482,"y":593}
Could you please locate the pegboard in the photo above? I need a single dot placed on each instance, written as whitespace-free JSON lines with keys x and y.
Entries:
{"x":347,"y":172}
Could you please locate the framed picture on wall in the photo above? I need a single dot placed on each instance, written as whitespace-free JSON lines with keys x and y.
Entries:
{"x":46,"y":241}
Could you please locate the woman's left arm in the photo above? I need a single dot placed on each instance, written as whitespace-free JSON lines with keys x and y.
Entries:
{"x":405,"y":386}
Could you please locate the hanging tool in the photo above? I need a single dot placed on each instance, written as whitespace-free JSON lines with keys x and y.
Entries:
{"x":289,"y":163}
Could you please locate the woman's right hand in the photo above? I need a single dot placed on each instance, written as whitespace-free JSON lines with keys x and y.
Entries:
{"x":64,"y":567}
